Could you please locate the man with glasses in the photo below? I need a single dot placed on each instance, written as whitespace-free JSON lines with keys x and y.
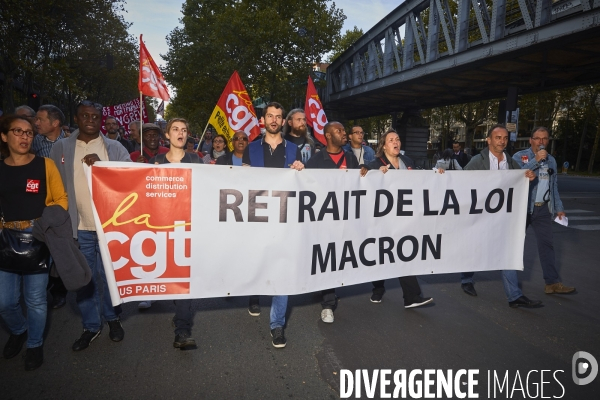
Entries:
{"x":273,"y":151}
{"x":112,"y":132}
{"x":544,"y":202}
{"x":88,"y":146}
{"x":364,"y":154}
{"x":151,"y":135}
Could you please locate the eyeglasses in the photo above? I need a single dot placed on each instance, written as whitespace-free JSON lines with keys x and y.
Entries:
{"x":218,"y":141}
{"x":236,"y":138}
{"x":21,"y":132}
{"x":538,"y":139}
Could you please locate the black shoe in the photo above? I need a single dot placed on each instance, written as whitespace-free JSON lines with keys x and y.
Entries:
{"x":116,"y":332}
{"x":58,"y":301}
{"x":184,"y":341}
{"x":376,"y":297}
{"x":14,"y":345}
{"x":278,"y":338}
{"x":524,"y":302}
{"x":254,"y":309}
{"x":84,"y":341}
{"x":469,"y":289}
{"x":417,"y":302}
{"x":34,"y":358}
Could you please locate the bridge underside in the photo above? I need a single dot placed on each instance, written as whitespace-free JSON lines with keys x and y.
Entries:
{"x":563,"y":62}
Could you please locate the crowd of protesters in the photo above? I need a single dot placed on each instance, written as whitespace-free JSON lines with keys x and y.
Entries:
{"x":39,"y":147}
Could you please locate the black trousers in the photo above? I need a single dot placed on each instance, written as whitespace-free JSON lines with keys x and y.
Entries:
{"x":409,"y":284}
{"x":329,"y":299}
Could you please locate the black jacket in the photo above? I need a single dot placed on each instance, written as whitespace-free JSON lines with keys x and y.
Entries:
{"x":462,"y":158}
{"x":225,"y":159}
{"x":322,"y":160}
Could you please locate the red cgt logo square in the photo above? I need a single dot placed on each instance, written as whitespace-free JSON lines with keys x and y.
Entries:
{"x":33,"y":186}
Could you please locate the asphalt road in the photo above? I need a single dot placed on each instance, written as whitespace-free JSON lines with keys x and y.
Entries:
{"x":235,"y":358}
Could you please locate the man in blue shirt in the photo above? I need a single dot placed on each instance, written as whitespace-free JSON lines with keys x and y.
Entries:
{"x":544,"y":202}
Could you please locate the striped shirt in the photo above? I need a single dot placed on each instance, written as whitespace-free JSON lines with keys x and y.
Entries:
{"x":41,"y":145}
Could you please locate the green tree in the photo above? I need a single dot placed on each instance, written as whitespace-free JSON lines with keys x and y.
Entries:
{"x":260,"y":39}
{"x":346,"y":40}
{"x":59,"y":48}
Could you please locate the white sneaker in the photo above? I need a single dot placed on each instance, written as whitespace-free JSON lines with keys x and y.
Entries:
{"x":327,"y":316}
{"x":142,"y":305}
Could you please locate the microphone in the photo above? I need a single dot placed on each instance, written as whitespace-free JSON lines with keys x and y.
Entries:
{"x":542,"y":147}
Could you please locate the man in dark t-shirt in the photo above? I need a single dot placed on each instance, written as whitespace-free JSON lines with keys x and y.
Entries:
{"x":273,"y":151}
{"x":295,"y":130}
{"x":332,"y":157}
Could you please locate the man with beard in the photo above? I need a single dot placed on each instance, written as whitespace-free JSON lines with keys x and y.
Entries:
{"x":332,"y":157}
{"x":151,"y":134}
{"x":294,"y":130}
{"x":273,"y":151}
{"x":112,"y":132}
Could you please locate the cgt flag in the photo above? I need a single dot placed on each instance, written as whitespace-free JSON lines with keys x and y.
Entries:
{"x":315,"y":116}
{"x":151,"y":81}
{"x":234,"y":112}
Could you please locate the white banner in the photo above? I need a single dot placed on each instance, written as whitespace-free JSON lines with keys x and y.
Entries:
{"x":193,"y":231}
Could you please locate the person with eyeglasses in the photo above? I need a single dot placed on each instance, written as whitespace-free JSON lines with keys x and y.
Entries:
{"x":543,"y":205}
{"x":28,"y":184}
{"x":240,"y":142}
{"x":219,"y":148}
{"x":364,"y":154}
{"x":88,"y":145}
{"x":273,"y":151}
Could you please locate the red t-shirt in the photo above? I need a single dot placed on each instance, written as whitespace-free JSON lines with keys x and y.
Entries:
{"x":147,"y":155}
{"x":336,"y":159}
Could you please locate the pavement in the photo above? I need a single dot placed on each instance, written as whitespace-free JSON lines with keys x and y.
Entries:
{"x":235,"y":359}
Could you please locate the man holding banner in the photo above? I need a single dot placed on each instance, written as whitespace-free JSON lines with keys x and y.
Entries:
{"x":494,"y":158}
{"x":88,"y":146}
{"x":332,"y":157}
{"x":273,"y":151}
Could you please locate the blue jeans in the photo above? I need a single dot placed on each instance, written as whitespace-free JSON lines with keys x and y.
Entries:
{"x":510,"y":280}
{"x":93,"y":299}
{"x":34,"y":293}
{"x":541,"y":221}
{"x":278,"y":309}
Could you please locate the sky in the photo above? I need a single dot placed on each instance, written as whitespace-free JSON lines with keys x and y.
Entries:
{"x":156,"y":19}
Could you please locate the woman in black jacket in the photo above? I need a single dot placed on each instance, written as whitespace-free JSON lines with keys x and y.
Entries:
{"x":388,"y":157}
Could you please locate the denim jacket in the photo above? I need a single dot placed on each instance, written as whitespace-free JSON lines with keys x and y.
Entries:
{"x":555,"y":205}
{"x":368,"y":156}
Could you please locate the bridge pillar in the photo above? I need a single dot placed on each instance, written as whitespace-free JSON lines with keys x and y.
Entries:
{"x":414,"y":133}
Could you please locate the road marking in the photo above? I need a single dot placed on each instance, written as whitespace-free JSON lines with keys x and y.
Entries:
{"x":586,"y":227}
{"x":582,"y":218}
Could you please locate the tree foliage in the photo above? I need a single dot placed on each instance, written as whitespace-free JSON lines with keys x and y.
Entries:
{"x":59,"y":49}
{"x":347,"y":40}
{"x":272,"y":44}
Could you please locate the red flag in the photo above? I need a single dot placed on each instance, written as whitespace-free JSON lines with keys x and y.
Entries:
{"x":151,"y":82}
{"x":234,"y":111}
{"x":315,"y":116}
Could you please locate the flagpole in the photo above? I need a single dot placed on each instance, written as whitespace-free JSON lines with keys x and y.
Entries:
{"x":200,"y":141}
{"x":141,"y":121}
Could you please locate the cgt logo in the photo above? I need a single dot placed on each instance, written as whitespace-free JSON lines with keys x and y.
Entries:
{"x":33,"y":186}
{"x":584,"y":364}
